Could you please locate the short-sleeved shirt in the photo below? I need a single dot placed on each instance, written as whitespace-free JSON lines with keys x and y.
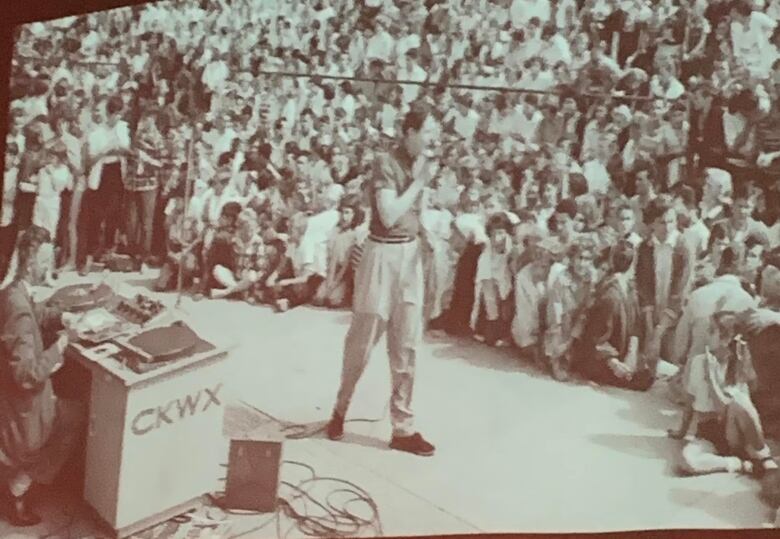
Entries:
{"x":769,"y":138}
{"x":390,"y":173}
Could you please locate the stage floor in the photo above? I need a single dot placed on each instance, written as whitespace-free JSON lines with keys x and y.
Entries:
{"x":516,"y":451}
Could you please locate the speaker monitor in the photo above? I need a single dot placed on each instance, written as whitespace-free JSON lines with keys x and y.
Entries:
{"x":253,"y":475}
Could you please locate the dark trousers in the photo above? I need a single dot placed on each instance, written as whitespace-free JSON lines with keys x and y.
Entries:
{"x":159,"y":232}
{"x":7,"y":244}
{"x":592,"y":368}
{"x":296,"y":294}
{"x":140,"y":220}
{"x":24,"y":204}
{"x":457,"y":318}
{"x":101,"y":213}
{"x":62,"y":241}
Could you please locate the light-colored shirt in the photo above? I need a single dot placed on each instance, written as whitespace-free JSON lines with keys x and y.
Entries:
{"x":597,"y":176}
{"x":694,"y":329}
{"x":664,"y":259}
{"x":9,"y":193}
{"x":523,"y":11}
{"x":104,"y":139}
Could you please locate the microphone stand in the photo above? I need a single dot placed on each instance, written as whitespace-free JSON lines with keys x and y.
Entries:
{"x":187,"y":193}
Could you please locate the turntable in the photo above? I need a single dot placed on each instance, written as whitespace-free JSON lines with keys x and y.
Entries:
{"x":82,"y":297}
{"x":161,"y":345}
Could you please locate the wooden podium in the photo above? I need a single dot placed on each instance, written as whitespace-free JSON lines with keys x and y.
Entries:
{"x":155,"y":440}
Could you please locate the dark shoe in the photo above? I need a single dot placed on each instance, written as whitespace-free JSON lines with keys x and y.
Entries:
{"x":764,"y":466}
{"x":415,"y":444}
{"x":335,"y":430}
{"x":642,"y":381}
{"x":20,"y":515}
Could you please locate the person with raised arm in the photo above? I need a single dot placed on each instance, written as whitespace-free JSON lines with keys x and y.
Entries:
{"x":389,"y":285}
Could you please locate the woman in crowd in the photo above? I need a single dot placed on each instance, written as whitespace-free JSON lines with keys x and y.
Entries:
{"x":337,"y":288}
{"x":531,"y":292}
{"x":491,"y":315}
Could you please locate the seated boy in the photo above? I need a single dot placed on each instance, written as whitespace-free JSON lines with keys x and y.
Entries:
{"x":296,"y":280}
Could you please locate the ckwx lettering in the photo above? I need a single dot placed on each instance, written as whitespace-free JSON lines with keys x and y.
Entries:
{"x":212,"y":395}
{"x":190,"y":404}
{"x":162,"y":414}
{"x":151,"y":419}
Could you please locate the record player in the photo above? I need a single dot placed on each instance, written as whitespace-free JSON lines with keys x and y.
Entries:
{"x":161,"y":345}
{"x":82,"y":297}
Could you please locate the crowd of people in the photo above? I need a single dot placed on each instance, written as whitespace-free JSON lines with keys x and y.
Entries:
{"x":604,"y":196}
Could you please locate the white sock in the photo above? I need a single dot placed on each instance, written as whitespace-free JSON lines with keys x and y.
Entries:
{"x":20,"y":484}
{"x":734,"y":465}
{"x":761,"y":454}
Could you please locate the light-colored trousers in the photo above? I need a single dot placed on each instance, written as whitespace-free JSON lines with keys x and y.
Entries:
{"x":388,"y":300}
{"x":745,"y":439}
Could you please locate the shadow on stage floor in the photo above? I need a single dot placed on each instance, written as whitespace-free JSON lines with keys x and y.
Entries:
{"x":733,"y":509}
{"x":657,"y":447}
{"x":482,"y":356}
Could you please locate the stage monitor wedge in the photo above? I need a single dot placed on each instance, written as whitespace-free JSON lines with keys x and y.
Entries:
{"x":253,"y":475}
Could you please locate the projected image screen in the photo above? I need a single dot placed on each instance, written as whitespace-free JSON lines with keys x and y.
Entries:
{"x":576,"y":200}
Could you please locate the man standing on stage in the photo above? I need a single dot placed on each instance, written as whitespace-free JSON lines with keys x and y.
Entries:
{"x":389,"y":286}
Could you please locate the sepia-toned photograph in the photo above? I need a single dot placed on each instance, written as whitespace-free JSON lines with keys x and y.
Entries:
{"x":381,"y":268}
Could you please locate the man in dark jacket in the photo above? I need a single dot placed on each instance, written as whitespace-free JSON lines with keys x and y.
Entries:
{"x":663,"y":269}
{"x":608,"y":350}
{"x":36,"y":430}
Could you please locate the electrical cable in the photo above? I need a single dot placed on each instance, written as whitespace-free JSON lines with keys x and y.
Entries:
{"x":339,"y":520}
{"x":335,"y":519}
{"x":299,"y":431}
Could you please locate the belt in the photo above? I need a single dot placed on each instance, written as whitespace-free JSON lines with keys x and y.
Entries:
{"x":391,"y":239}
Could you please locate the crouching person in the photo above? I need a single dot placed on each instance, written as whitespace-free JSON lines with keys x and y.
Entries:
{"x":38,"y":431}
{"x":491,"y":315}
{"x":720,"y":425}
{"x":531,"y":297}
